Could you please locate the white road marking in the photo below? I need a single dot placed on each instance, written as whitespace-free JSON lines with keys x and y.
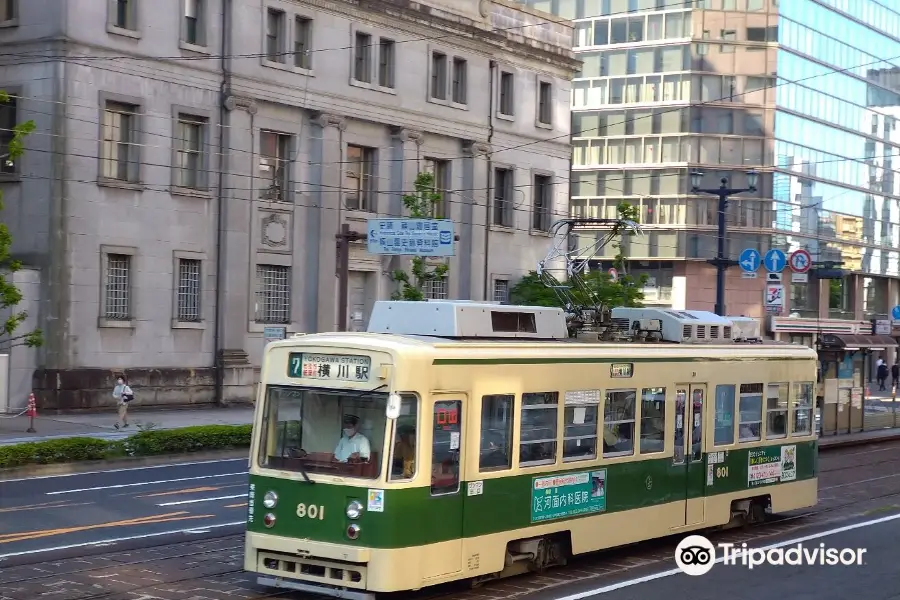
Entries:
{"x":832,"y":487}
{"x":639,"y":580}
{"x":125,"y":470}
{"x":112,"y":541}
{"x":196,"y":500}
{"x":125,"y":485}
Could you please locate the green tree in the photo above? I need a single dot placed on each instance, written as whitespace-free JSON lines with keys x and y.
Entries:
{"x":10,"y":295}
{"x":420,"y":205}
{"x":625,"y":291}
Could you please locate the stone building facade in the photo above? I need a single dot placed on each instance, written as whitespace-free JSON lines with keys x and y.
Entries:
{"x":192,"y":164}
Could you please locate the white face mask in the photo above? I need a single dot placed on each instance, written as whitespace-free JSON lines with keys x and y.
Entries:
{"x":348,"y":432}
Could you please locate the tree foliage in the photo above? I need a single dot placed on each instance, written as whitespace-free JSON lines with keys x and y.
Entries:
{"x":10,"y":295}
{"x":420,"y":205}
{"x":625,"y":291}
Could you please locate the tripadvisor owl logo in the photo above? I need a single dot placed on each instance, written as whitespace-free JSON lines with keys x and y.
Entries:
{"x":695,"y":555}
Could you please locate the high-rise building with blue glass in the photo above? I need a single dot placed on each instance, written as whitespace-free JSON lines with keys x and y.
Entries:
{"x":807,"y":92}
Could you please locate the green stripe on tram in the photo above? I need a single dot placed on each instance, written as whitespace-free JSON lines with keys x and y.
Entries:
{"x":412,"y":517}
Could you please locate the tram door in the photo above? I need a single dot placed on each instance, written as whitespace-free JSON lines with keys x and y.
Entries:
{"x":688,"y":457}
{"x":446,"y":498}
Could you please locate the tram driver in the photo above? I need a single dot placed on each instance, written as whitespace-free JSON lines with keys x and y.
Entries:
{"x":353,"y":446}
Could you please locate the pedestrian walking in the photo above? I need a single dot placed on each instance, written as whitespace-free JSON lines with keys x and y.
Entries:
{"x":895,"y":375}
{"x":882,"y":375}
{"x":123,"y":395}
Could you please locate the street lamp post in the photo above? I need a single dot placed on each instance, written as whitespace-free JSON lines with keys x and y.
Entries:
{"x":721,"y":262}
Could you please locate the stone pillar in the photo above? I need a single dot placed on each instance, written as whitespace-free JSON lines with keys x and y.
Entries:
{"x":324,"y":219}
{"x":474,"y":219}
{"x":405,"y":166}
{"x":234,"y":286}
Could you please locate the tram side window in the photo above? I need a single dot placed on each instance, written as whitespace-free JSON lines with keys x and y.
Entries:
{"x":723,"y":434}
{"x":446,"y":440}
{"x":653,"y":420}
{"x":750,"y":412}
{"x":580,"y":429}
{"x":803,"y":407}
{"x":496,"y":432}
{"x":538,"y":429}
{"x":776,"y":410}
{"x":618,"y":423}
{"x":403,"y":459}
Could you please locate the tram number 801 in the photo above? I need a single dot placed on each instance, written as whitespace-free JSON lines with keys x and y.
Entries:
{"x":311,"y":511}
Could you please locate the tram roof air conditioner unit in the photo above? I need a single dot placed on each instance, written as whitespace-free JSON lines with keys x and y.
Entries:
{"x":452,"y":319}
{"x":682,"y":326}
{"x":746,"y":329}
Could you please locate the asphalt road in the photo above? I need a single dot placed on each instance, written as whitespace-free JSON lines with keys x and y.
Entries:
{"x":877,"y":578}
{"x":143,"y":504}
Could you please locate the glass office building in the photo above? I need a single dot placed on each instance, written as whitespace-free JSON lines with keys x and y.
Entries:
{"x":805,"y":91}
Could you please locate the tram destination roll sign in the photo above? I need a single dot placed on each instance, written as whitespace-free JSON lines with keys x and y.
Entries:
{"x":772,"y":464}
{"x":329,"y":366}
{"x":568,"y":495}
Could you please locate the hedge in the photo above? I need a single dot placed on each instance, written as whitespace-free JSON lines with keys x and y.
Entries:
{"x":154,"y":442}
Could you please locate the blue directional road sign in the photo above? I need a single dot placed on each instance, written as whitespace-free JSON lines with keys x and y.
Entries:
{"x":895,"y":313}
{"x":416,"y":237}
{"x":749,"y":260}
{"x":775,"y":260}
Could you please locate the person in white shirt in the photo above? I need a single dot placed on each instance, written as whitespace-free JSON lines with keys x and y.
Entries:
{"x":353,"y":445}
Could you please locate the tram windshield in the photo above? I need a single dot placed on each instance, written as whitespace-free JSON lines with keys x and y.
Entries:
{"x":333,"y":432}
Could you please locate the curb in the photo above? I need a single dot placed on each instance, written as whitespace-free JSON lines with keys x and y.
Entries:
{"x":100,"y":465}
{"x":864,"y":441}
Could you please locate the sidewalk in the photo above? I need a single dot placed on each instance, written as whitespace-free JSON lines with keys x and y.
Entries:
{"x":101,"y":425}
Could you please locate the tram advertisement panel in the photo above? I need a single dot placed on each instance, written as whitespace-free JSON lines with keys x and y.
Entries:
{"x":568,"y":495}
{"x":771,"y":464}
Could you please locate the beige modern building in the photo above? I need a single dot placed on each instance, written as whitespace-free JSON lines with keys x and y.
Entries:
{"x":193,"y":163}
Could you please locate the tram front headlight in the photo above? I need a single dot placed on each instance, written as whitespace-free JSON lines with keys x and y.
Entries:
{"x":354,"y":509}
{"x":270,"y":500}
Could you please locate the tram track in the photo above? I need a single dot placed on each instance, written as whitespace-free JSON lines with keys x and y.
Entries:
{"x":215,"y":564}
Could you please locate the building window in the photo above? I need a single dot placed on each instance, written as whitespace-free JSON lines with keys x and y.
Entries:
{"x":188,"y":308}
{"x":729,"y":35}
{"x":191,"y":155}
{"x":303,"y":43}
{"x":545,"y":103}
{"x":117,"y":295}
{"x":438,"y":75}
{"x":275,"y":35}
{"x":542,"y":202}
{"x":274,"y":163}
{"x":507,"y":92}
{"x":435,"y":289}
{"x":273,"y":294}
{"x":362,"y":58}
{"x":496,"y":432}
{"x":502,"y":213}
{"x":460,"y":73}
{"x":360,"y":178}
{"x":386,"y":59}
{"x":9,"y":115}
{"x":193,"y":23}
{"x":124,"y":14}
{"x":8,"y":10}
{"x":120,"y":152}
{"x":501,"y":291}
{"x":440,"y":169}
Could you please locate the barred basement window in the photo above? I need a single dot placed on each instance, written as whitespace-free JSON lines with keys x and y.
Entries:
{"x":435,"y":289}
{"x":118,"y":287}
{"x":188,"y":290}
{"x":273,"y":294}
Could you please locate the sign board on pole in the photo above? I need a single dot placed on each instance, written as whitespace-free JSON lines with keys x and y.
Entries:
{"x":775,"y":260}
{"x":881,"y":327}
{"x":800,"y":262}
{"x":416,"y":237}
{"x":749,"y":261}
{"x":613,"y":274}
{"x":774,"y":299}
{"x":273,"y":334}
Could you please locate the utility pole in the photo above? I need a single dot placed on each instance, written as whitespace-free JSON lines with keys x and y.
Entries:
{"x":721,"y":262}
{"x":344,"y":239}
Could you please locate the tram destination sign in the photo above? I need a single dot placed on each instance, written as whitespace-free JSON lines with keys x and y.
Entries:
{"x":568,"y":495}
{"x":621,"y":370}
{"x":335,"y":367}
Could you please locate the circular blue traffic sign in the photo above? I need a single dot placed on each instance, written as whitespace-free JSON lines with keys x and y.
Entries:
{"x":749,"y":260}
{"x":895,"y":313}
{"x":775,"y":261}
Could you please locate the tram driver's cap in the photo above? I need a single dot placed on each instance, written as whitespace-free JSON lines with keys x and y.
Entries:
{"x":350,"y":420}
